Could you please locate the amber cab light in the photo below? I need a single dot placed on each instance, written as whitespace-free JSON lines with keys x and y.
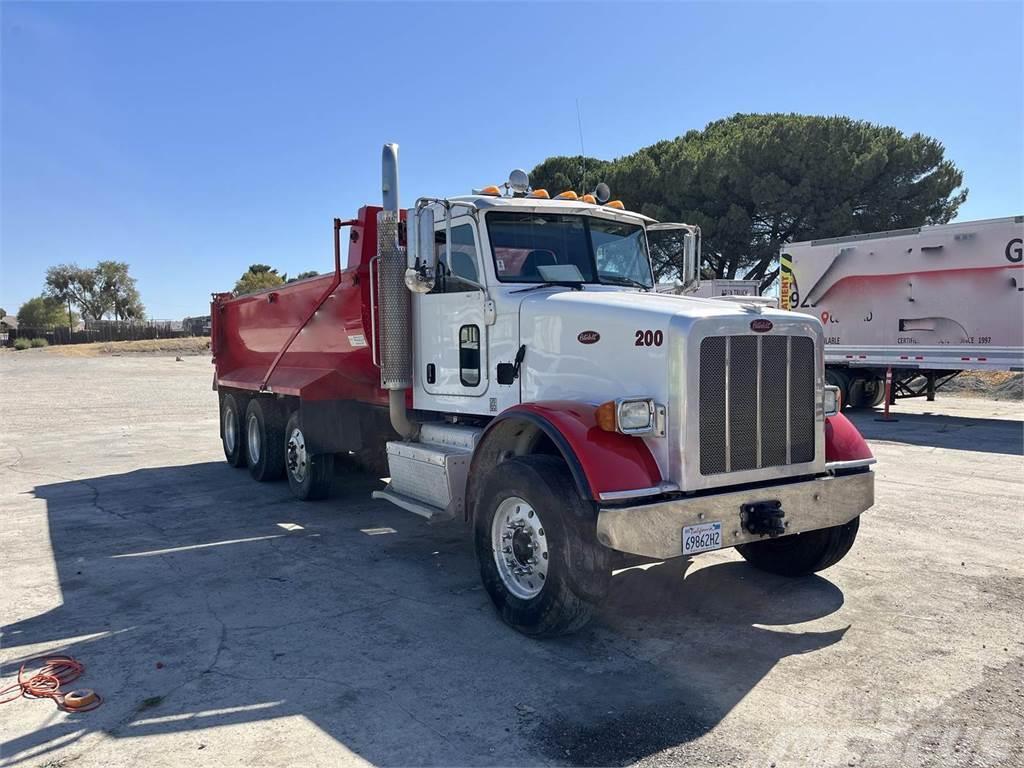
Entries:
{"x":541,"y":193}
{"x":605,"y":416}
{"x":615,"y":204}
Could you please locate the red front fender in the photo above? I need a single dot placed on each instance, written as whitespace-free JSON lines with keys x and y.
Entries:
{"x":604,"y":462}
{"x":843,"y":442}
{"x":600,"y":461}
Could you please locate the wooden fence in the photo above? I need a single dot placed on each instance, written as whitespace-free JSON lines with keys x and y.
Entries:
{"x":110,"y":330}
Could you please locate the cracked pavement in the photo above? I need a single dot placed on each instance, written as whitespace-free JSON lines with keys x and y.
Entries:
{"x":226,"y":623}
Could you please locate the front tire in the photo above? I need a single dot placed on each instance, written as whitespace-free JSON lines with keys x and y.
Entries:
{"x":536,"y":546}
{"x":309,"y":474}
{"x":802,"y":554}
{"x":264,"y":439}
{"x":231,"y":430}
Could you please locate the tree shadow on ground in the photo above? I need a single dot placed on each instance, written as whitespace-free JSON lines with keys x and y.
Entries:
{"x":197,"y":598}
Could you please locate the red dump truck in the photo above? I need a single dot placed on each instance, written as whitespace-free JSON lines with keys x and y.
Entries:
{"x":505,"y":360}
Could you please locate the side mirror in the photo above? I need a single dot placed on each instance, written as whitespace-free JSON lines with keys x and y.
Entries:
{"x":422,"y":256}
{"x":691,"y":259}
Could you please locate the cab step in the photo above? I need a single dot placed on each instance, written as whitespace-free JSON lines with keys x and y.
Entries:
{"x":409,"y":504}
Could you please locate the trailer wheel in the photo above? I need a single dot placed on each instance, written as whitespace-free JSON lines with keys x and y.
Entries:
{"x":802,"y":553}
{"x":231,"y":430}
{"x":877,"y":394}
{"x":537,"y":549}
{"x":264,"y":439}
{"x":309,"y":474}
{"x":837,"y":377}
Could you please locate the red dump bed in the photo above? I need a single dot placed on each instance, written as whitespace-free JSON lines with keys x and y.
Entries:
{"x":330,"y":357}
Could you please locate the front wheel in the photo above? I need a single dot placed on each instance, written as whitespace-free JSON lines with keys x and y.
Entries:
{"x":309,"y":474}
{"x":802,"y":554}
{"x":536,"y":545}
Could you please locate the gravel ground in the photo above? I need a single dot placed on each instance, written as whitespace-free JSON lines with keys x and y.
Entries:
{"x":226,"y":624}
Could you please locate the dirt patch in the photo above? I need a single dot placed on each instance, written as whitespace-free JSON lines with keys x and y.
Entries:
{"x":995,"y":385}
{"x":196,"y":345}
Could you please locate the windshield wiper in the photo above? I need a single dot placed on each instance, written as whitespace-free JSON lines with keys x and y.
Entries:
{"x":548,"y":284}
{"x":623,"y":280}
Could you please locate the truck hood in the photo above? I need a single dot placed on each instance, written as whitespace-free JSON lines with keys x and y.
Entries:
{"x":595,"y":345}
{"x":601,"y":304}
{"x":599,"y":345}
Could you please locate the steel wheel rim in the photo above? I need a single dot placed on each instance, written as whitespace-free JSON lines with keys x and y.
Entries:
{"x":253,"y":434}
{"x":519,"y":544}
{"x":231,"y":430}
{"x":296,"y":456}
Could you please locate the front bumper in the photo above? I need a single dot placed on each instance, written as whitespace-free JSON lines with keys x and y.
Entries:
{"x":656,"y":529}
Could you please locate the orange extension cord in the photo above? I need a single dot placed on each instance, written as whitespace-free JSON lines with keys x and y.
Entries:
{"x":45,"y":683}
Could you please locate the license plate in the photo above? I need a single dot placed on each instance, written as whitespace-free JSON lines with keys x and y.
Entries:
{"x":702,"y":538}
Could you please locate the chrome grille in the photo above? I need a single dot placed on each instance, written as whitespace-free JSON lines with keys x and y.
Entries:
{"x":757,"y":402}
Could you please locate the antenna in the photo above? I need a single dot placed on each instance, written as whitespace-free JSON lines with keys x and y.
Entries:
{"x":583,"y":153}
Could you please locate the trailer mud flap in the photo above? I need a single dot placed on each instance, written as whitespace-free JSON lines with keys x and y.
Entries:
{"x":338,"y":426}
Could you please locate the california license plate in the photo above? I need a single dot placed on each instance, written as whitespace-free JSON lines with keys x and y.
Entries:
{"x":702,"y":538}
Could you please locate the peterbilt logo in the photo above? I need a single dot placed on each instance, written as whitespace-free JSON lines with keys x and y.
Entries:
{"x":761,"y":325}
{"x":588,"y":337}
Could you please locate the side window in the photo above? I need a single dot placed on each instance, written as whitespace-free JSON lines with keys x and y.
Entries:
{"x":469,"y":355}
{"x":452,"y":277}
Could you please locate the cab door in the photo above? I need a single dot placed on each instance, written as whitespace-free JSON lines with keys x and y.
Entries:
{"x":451,"y":350}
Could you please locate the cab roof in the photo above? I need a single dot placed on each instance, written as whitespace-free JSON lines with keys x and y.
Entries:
{"x":542,"y":205}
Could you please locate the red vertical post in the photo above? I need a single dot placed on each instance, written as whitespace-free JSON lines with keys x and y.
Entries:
{"x":888,"y":396}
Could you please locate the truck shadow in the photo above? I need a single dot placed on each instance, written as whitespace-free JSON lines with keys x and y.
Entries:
{"x":960,"y":433}
{"x":197,"y":598}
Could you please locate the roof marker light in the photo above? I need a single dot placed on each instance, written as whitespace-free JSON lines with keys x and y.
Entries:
{"x":589,"y":199}
{"x":567,"y":195}
{"x":491,"y":191}
{"x":616,"y":204}
{"x":541,"y":193}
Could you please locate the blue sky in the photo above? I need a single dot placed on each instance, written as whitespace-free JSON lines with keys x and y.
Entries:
{"x":191,"y":140}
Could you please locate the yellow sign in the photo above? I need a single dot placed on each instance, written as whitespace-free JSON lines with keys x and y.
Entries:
{"x":789,"y":298}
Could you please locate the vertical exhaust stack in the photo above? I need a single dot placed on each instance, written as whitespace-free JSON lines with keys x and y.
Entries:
{"x":393,"y":300}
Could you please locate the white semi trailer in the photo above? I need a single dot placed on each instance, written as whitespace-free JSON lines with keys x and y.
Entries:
{"x":927,"y":302}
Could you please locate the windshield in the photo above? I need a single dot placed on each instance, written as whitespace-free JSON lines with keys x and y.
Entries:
{"x":552,"y":247}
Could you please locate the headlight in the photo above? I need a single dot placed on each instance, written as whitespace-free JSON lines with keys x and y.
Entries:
{"x":833,"y":400}
{"x":635,"y":416}
{"x":630,"y":416}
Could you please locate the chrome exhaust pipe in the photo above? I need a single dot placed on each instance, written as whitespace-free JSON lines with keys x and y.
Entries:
{"x":393,"y":301}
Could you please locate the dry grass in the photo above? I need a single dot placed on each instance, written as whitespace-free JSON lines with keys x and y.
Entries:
{"x":197,"y":345}
{"x":998,"y":385}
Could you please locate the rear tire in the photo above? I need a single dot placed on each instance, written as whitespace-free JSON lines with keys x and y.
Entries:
{"x":309,"y":474}
{"x":802,"y":554}
{"x":537,"y":549}
{"x":877,"y":394}
{"x":264,"y":439}
{"x":231,"y":430}
{"x":837,"y":377}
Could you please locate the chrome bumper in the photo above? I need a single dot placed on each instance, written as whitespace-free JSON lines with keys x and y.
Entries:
{"x":656,"y":529}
